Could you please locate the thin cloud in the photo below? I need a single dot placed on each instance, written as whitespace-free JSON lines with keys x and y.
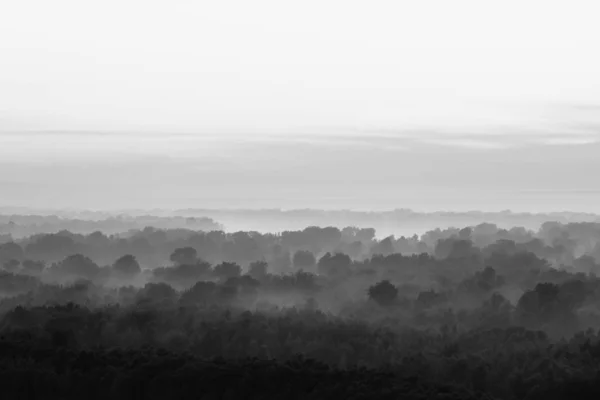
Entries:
{"x":361,"y":144}
{"x":338,"y":141}
{"x":569,"y":141}
{"x":468,"y":144}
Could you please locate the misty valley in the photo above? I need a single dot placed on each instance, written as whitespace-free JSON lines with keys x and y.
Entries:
{"x":185,"y":309}
{"x":271,"y":200}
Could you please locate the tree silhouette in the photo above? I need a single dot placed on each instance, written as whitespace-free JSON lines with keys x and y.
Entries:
{"x":304,"y":259}
{"x":10,"y":251}
{"x":227,"y":270}
{"x":184,"y":255}
{"x":258,"y":270}
{"x":384,"y":293}
{"x":127,"y":266}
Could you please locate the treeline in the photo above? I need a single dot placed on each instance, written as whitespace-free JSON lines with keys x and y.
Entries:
{"x":37,"y":372}
{"x":20,"y":226}
{"x":477,"y":312}
{"x":574,"y":245}
{"x":399,"y":221}
{"x":212,"y":351}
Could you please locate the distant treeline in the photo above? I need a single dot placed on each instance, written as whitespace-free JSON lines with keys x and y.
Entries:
{"x":399,"y":221}
{"x":19,"y":226}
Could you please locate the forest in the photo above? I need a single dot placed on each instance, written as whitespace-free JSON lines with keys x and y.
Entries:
{"x":154,"y":312}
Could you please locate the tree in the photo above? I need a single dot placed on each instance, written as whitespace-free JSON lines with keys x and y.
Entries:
{"x":201,"y":292}
{"x":465,"y":233}
{"x":454,"y":248}
{"x":280,"y":260}
{"x":245,"y":284}
{"x":127,"y":266}
{"x":184,"y":255}
{"x":227,"y":270}
{"x":78,"y":265}
{"x":11,"y":265}
{"x":334,"y":265}
{"x":586,"y":264}
{"x":183,"y":276}
{"x":385,"y":247}
{"x":304,"y":259}
{"x":571,"y":295}
{"x":502,"y":246}
{"x":355,"y":249}
{"x":157,"y":292}
{"x":98,"y":239}
{"x":383,"y":293}
{"x":32,"y":267}
{"x":305,"y":281}
{"x":429,"y":298}
{"x":52,"y":247}
{"x":497,"y":302}
{"x":365,"y":235}
{"x":241,"y":248}
{"x":311,"y":304}
{"x":10,"y":251}
{"x":540,"y":304}
{"x":517,"y":266}
{"x":496,"y":312}
{"x":258,"y":270}
{"x":488,"y":279}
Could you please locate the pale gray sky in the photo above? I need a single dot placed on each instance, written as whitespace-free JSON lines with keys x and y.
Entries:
{"x":277,"y":92}
{"x":195,"y":65}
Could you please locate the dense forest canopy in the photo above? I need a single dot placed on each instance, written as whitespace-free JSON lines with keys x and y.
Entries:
{"x":476,"y":311}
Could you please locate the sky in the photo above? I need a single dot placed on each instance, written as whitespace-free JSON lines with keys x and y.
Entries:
{"x":424,"y":104}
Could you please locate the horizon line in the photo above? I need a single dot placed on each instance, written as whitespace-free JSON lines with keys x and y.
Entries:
{"x":287,"y":210}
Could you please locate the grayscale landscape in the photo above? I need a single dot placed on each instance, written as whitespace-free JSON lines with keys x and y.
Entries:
{"x":315,"y":200}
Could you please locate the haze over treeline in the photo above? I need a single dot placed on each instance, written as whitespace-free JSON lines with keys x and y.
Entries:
{"x":469,"y":312}
{"x":22,"y":221}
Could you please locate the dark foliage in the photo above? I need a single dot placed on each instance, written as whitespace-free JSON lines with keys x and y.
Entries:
{"x":383,"y":293}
